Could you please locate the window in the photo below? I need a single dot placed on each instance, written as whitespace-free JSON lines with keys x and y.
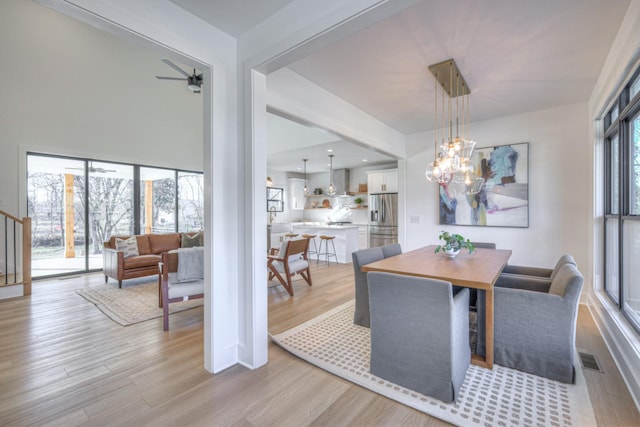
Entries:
{"x":71,"y":221}
{"x":190,"y":201}
{"x":157,"y":200}
{"x":622,"y":202}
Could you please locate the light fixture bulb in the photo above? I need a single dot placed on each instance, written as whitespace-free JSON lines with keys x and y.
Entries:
{"x":433,"y":172}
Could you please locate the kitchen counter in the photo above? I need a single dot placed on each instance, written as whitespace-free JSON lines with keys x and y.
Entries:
{"x":346,"y":238}
{"x":323,"y":227}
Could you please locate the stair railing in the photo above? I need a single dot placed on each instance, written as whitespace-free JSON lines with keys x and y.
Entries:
{"x":15,"y":230}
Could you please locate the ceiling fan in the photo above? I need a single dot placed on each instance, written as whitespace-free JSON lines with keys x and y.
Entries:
{"x":194,"y":81}
{"x":93,"y":169}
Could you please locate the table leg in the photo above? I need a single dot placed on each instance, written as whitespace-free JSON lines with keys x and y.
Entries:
{"x":489,"y":328}
{"x":487,"y":361}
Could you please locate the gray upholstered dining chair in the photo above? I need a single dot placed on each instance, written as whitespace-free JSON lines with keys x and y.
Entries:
{"x":360,"y":258}
{"x":537,"y":271}
{"x":391,"y":250}
{"x":535,"y":323}
{"x":484,"y":245}
{"x":419,"y":333}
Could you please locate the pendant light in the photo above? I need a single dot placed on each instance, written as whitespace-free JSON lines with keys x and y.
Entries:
{"x":331,"y":191}
{"x":452,"y":159}
{"x":305,"y":189}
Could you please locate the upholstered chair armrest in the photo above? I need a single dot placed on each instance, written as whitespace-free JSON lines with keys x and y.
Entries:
{"x":113,"y":263}
{"x":528,"y":271}
{"x":530,"y":283}
{"x":531,"y":322}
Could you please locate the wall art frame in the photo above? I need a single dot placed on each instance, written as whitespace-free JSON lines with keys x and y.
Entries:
{"x":503,"y":200}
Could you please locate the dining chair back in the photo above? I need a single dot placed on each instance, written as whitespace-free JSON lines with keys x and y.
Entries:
{"x":535,"y":323}
{"x":391,"y":250}
{"x":361,"y":258}
{"x":419,"y":333}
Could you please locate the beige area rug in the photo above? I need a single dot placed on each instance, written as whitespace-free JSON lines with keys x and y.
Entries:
{"x":497,"y":397}
{"x":132,"y":304}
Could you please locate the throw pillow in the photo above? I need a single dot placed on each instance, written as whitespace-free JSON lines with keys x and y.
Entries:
{"x":191,"y":241}
{"x":129,"y":246}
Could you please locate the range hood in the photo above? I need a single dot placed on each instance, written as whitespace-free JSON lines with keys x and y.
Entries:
{"x":341,"y":181}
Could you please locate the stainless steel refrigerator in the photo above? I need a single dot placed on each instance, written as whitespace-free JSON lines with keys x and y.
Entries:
{"x":383,"y":219}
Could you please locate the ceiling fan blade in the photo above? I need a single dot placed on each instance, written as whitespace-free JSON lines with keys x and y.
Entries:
{"x":170,"y":78}
{"x":175,"y":67}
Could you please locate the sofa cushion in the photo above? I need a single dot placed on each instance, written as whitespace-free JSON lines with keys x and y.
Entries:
{"x":164,"y":242}
{"x":191,"y":240}
{"x":141,"y":261}
{"x":129,"y":247}
{"x":143,"y":245}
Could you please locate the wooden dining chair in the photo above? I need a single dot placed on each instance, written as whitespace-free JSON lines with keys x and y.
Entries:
{"x":290,"y":260}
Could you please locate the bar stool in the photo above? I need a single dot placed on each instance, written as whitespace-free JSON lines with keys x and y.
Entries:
{"x":312,"y":238}
{"x":326,"y":253}
{"x":290,"y":236}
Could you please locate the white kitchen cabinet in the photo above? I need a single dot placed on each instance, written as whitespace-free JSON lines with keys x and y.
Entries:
{"x":363,"y":236}
{"x":385,"y":181}
{"x":296,"y":194}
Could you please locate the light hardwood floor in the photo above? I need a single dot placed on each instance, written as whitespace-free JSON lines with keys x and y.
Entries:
{"x":64,"y":363}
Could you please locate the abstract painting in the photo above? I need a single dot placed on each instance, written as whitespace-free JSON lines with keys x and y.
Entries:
{"x":503,"y":200}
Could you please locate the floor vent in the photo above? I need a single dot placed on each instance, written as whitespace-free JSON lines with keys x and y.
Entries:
{"x":589,"y":361}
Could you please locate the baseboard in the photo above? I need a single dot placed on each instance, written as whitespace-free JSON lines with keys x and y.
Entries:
{"x":11,"y":291}
{"x":621,"y":340}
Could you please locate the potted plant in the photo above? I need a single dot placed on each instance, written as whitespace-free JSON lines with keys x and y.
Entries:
{"x":453,"y":243}
{"x":358,"y":201}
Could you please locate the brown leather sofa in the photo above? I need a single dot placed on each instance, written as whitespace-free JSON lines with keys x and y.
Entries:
{"x":150,"y":248}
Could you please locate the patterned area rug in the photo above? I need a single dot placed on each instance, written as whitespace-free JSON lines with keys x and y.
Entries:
{"x":132,"y":304}
{"x":497,"y":397}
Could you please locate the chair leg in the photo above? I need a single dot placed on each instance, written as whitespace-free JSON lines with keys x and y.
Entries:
{"x":306,"y":275}
{"x":165,"y":306}
{"x":288,"y":286}
{"x":120,"y":284}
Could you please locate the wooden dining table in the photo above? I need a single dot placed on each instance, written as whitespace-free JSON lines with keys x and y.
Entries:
{"x":478,"y":270}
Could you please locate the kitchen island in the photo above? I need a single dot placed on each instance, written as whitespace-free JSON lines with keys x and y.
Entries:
{"x":346,"y":238}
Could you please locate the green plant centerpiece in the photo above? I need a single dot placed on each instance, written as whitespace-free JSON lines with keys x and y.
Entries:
{"x":358,"y":201}
{"x":453,"y":243}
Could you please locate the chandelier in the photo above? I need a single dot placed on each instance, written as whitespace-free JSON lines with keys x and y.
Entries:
{"x":331,"y":191}
{"x":452,"y":161}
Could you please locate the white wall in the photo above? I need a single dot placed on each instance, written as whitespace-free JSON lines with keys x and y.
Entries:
{"x":558,"y":187}
{"x":76,"y":90}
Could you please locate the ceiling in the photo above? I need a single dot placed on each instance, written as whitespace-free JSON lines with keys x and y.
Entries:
{"x":288,"y":142}
{"x":516,"y":56}
{"x":234,"y":17}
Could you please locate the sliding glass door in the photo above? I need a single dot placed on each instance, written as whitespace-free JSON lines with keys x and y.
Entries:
{"x":72,"y":220}
{"x":55,"y":200}
{"x":110,"y":212}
